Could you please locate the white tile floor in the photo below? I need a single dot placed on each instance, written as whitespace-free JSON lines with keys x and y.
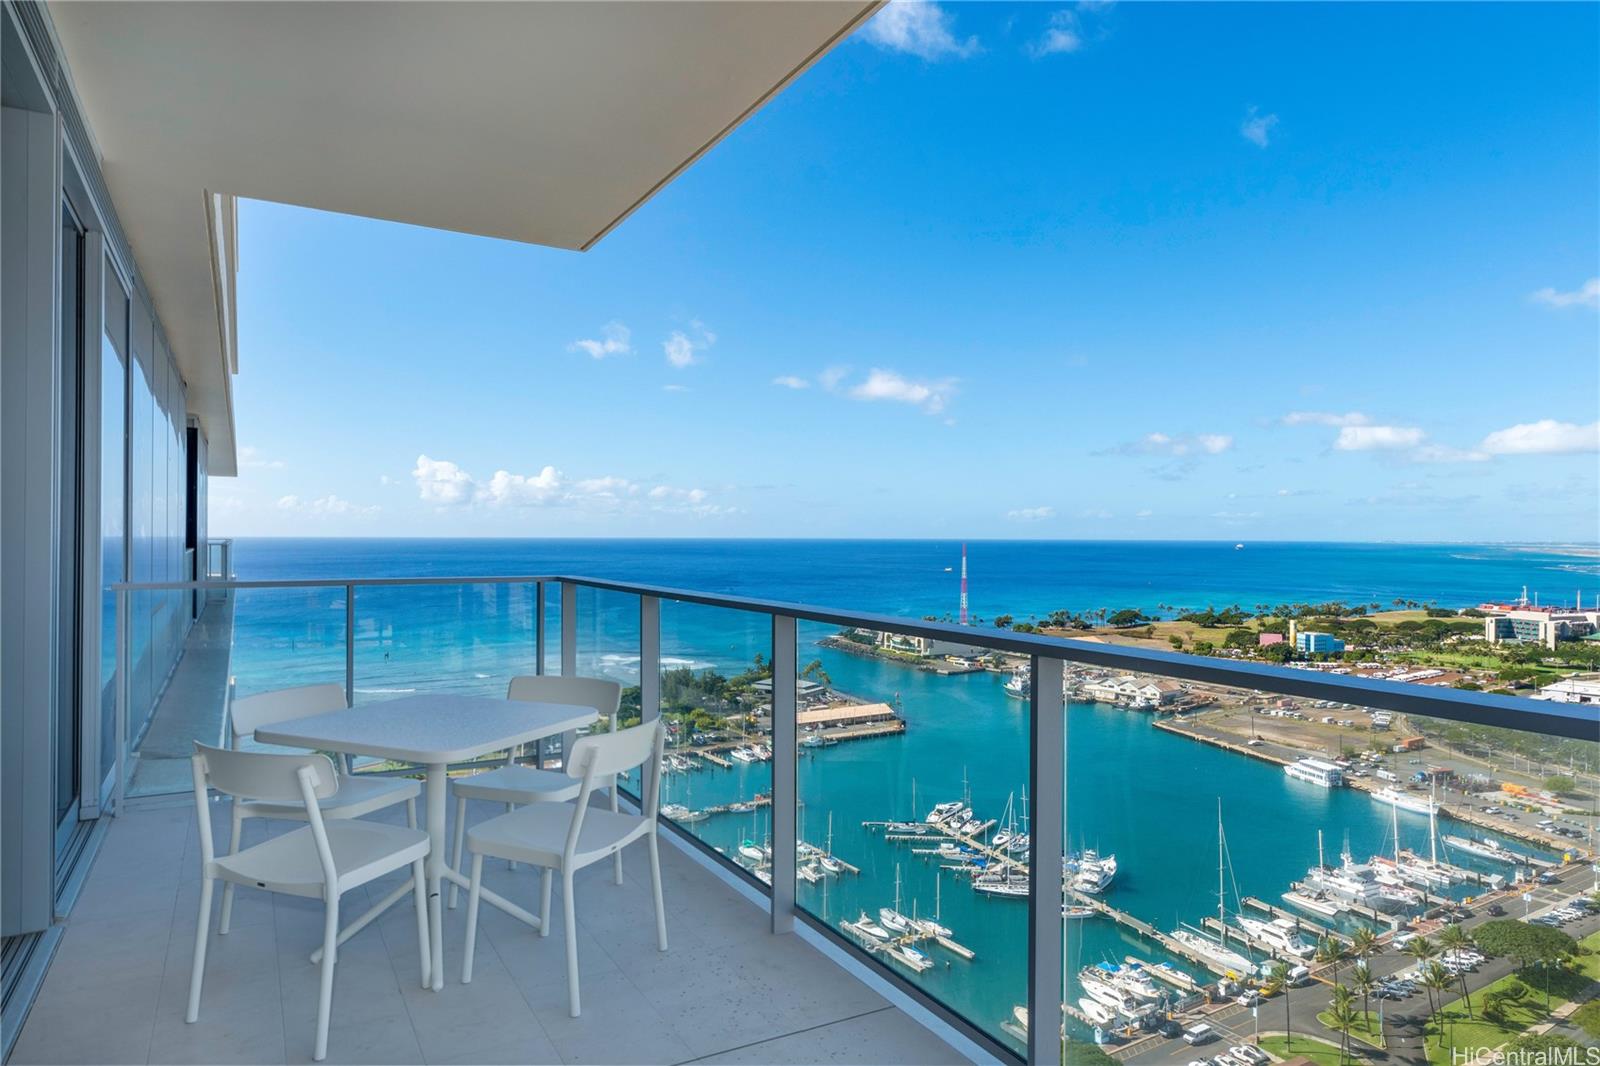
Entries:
{"x":727,"y":991}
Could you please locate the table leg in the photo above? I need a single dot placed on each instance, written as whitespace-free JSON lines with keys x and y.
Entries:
{"x":437,"y":773}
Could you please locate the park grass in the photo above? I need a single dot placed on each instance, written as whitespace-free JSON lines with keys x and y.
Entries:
{"x":1588,"y":959}
{"x":1479,"y":1032}
{"x":1318,"y":1051}
{"x":1367,"y":1029}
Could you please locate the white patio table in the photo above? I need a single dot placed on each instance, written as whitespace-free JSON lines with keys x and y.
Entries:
{"x":431,"y":730}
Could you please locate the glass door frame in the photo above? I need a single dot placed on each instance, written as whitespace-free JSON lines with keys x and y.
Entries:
{"x":71,"y":477}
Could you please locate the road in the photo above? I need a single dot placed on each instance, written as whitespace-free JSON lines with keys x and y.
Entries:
{"x":1404,"y":1020}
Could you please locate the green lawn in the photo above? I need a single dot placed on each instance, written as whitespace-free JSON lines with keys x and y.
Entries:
{"x":1367,"y":1029}
{"x":1588,"y":960}
{"x":1478,"y":1032}
{"x":1317,"y":1051}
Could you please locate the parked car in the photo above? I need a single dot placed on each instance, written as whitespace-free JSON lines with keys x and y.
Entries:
{"x":1171,"y":1029}
{"x":1496,"y":910}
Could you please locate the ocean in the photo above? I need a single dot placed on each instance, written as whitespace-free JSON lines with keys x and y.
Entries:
{"x":1147,"y":796}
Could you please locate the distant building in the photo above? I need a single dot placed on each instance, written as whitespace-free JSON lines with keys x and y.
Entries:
{"x":1136,"y":691}
{"x":928,"y":646}
{"x":1309,"y":643}
{"x":1265,"y":639}
{"x":1525,"y":624}
{"x":1572,"y":690}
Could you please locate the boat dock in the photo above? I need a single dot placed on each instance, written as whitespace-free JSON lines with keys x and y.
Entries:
{"x":1506,"y":855}
{"x":946,"y":835}
{"x":1149,"y":932}
{"x":714,"y":759}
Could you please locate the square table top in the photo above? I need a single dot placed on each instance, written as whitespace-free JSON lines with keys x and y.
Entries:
{"x":429,"y":727}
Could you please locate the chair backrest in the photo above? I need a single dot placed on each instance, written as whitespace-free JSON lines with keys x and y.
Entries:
{"x":604,"y":696}
{"x":605,"y":754}
{"x":259,"y":775}
{"x":252,"y":712}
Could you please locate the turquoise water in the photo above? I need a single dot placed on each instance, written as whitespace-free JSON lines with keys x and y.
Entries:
{"x":1145,"y":795}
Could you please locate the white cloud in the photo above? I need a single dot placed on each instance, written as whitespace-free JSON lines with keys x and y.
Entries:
{"x":250,"y":456}
{"x":1235,"y":516}
{"x":521,"y":490}
{"x":1144,"y":512}
{"x":324,"y":505}
{"x":674,"y":388}
{"x":1544,"y":437}
{"x":789,"y":381}
{"x":1063,"y":34}
{"x":1257,"y":128}
{"x":1031,"y":514}
{"x":1377,"y":438}
{"x":1586,"y":295}
{"x":684,"y":350}
{"x":931,"y":396}
{"x":614,"y":339}
{"x":830,"y":378}
{"x":1181,"y":444}
{"x":385,"y":479}
{"x":920,"y":28}
{"x":1326,"y":418}
{"x":442,"y":482}
{"x":1097,"y":512}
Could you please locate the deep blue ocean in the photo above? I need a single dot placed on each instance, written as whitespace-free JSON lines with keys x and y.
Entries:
{"x":1145,"y":795}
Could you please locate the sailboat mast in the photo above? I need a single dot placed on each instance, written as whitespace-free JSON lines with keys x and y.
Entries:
{"x":1320,"y":864}
{"x":1222,"y":911}
{"x":1433,"y":825}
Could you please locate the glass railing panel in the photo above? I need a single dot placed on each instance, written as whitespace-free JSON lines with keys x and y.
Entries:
{"x":552,"y":627}
{"x":914,"y":759}
{"x":470,"y":638}
{"x":608,"y":647}
{"x":716,"y":696}
{"x":1264,"y":844}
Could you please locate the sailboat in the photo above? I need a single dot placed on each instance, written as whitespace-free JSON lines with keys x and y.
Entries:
{"x":891,"y":917}
{"x":931,"y":927}
{"x":1217,"y":955}
{"x":828,"y":863}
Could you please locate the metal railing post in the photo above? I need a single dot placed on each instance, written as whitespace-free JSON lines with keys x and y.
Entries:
{"x":538,"y":627}
{"x":649,"y":658}
{"x":1046,"y":777}
{"x":350,"y":645}
{"x":569,"y":652}
{"x":124,"y":695}
{"x":785,"y":763}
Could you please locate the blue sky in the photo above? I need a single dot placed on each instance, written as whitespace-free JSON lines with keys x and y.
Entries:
{"x":1093,"y":271}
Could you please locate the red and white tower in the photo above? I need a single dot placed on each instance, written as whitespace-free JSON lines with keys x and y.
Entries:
{"x":963,"y":584}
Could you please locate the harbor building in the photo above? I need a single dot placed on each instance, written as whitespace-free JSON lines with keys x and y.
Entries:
{"x":927,"y":647}
{"x":1312,"y":643}
{"x":1572,"y":690}
{"x":1133,"y":691}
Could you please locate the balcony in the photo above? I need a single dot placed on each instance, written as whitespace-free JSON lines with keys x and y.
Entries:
{"x":727,"y":991}
{"x":1207,"y":852}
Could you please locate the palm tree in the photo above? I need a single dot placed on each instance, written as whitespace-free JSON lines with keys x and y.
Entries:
{"x":1455,"y":938}
{"x":1437,"y":980}
{"x":1364,"y":944}
{"x":1279,"y":978}
{"x":1364,"y":983}
{"x":1344,"y":1019}
{"x":1330,"y":951}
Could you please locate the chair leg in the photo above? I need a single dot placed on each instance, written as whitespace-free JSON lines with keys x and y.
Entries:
{"x":569,"y":913}
{"x":461,"y":838}
{"x":228,"y":887}
{"x":544,"y":903}
{"x":617,"y":858}
{"x":197,"y":975}
{"x":330,"y":957}
{"x":512,"y":865}
{"x":411,"y":813}
{"x":655,"y":888}
{"x":419,"y":889}
{"x":473,"y":895}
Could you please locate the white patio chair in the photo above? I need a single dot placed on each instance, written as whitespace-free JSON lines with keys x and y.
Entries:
{"x":569,"y":836}
{"x":322,"y":860}
{"x":357,"y":794}
{"x":516,"y":785}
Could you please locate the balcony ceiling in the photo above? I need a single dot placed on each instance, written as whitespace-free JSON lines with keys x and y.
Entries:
{"x":540,"y":122}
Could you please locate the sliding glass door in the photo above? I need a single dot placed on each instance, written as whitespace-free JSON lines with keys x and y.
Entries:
{"x":67,"y":728}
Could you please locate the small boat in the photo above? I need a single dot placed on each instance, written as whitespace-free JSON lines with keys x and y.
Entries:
{"x":943,"y":812}
{"x":831,"y":865}
{"x":1069,"y":911}
{"x":1019,"y":685}
{"x":1001,"y":839}
{"x":871,"y":928}
{"x":742,"y":755}
{"x":1096,"y":1012}
{"x":891,"y":917}
{"x":1318,"y":903}
{"x":911,"y":957}
{"x":809,"y":873}
{"x":753,"y":851}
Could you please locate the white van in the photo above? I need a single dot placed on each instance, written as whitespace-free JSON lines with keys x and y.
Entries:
{"x":1199,"y":1034}
{"x":1298,"y":975}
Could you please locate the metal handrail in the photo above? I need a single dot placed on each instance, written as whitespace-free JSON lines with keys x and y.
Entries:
{"x":1570,"y":721}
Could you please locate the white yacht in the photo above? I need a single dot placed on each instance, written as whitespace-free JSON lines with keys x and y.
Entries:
{"x":871,"y":928}
{"x":943,"y":812}
{"x":1400,"y":799}
{"x":1095,"y":1011}
{"x":1319,"y":902}
{"x":1094,"y":874}
{"x":1316,"y":771}
{"x":1281,"y":934}
{"x":1213,"y":953}
{"x":1019,"y":685}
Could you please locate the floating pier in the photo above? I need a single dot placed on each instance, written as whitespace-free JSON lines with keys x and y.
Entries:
{"x":1320,"y":931}
{"x":1166,"y":973}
